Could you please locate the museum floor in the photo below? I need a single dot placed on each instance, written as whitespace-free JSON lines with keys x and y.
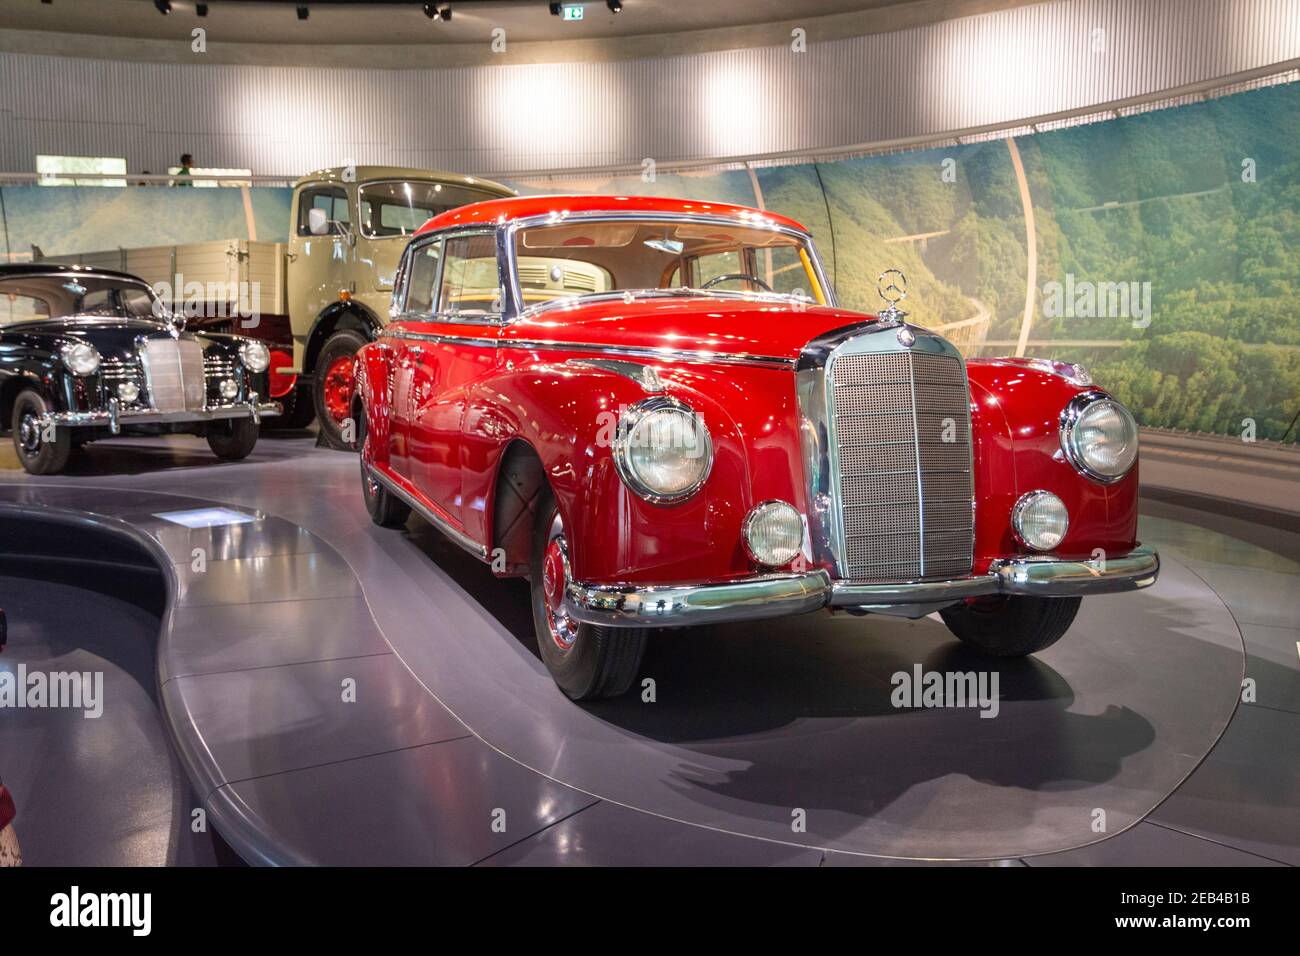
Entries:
{"x":337,"y":693}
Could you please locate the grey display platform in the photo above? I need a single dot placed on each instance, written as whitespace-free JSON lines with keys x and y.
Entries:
{"x":457,"y":747}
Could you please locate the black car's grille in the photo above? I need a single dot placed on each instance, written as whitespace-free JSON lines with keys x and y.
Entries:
{"x":901,"y":423}
{"x":114,"y":371}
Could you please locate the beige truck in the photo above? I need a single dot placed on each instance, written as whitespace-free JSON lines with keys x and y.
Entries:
{"x":317,"y":298}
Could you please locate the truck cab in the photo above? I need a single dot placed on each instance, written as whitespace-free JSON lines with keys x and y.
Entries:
{"x":349,"y":226}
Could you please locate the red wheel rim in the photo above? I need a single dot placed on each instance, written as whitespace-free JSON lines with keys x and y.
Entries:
{"x":555,"y":577}
{"x":337,"y":387}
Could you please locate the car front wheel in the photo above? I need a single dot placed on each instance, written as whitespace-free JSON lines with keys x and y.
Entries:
{"x":587,"y":661}
{"x":42,"y":451}
{"x":232,"y":439}
{"x":384,"y":507}
{"x":1011,"y":625}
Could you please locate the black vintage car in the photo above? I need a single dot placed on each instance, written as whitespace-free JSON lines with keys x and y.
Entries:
{"x":90,"y":353}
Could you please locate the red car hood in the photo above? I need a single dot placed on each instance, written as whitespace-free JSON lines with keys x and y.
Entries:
{"x":773,"y":329}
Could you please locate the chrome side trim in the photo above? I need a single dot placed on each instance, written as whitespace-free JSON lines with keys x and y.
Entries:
{"x":644,"y":375}
{"x":630,"y":351}
{"x":455,"y":534}
{"x":777,"y":595}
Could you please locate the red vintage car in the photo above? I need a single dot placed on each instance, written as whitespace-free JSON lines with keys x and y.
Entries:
{"x":655,"y":411}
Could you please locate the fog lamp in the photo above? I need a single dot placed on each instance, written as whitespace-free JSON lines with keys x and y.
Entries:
{"x":128,"y":391}
{"x":773,"y":533}
{"x":229,"y":388}
{"x":1040,"y":520}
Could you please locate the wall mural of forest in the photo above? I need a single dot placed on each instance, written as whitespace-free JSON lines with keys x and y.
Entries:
{"x":1167,"y":244}
{"x":1175,"y":232}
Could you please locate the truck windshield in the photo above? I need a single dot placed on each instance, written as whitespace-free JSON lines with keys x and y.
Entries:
{"x":400,"y":208}
{"x":31,"y":298}
{"x":564,"y":261}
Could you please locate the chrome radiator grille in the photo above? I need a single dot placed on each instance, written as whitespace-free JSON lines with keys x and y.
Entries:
{"x":901,"y":424}
{"x":173,"y":370}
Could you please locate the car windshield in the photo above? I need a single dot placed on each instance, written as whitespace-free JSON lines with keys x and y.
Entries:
{"x":400,"y":208}
{"x":31,"y":298}
{"x":563,"y":261}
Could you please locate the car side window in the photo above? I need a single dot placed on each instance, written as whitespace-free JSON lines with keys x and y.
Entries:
{"x":423,"y":274}
{"x":332,"y":199}
{"x":470,"y":285}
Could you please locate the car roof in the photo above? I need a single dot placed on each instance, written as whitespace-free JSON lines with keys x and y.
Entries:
{"x":522,"y":207}
{"x":369,"y":174}
{"x":8,"y":269}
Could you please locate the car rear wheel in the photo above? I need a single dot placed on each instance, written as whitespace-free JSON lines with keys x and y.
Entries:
{"x":38,"y":455}
{"x":1011,"y":626}
{"x":384,"y":507}
{"x":232,"y":439}
{"x":333,"y":384}
{"x":587,"y":661}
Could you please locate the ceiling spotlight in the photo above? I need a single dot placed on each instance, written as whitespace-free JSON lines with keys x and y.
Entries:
{"x":303,"y":12}
{"x":201,"y":9}
{"x":555,"y":9}
{"x":615,"y":6}
{"x":444,"y":11}
{"x":163,"y":6}
{"x":430,"y":10}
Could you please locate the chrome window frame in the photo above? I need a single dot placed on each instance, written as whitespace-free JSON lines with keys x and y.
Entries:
{"x":401,"y":285}
{"x":510,"y":229}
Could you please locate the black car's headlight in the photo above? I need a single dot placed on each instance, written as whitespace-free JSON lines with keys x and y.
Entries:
{"x":1099,"y":436}
{"x":255,"y":356}
{"x":663,"y":452}
{"x":81,"y":358}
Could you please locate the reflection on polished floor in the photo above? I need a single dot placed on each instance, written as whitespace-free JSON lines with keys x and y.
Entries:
{"x":458,"y":749}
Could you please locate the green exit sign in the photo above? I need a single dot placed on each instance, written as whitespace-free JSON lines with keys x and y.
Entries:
{"x":572,"y":12}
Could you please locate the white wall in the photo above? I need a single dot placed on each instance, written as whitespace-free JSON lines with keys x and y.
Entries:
{"x":993,"y":68}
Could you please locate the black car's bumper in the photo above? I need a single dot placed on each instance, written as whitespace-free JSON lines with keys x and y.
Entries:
{"x":114,"y":417}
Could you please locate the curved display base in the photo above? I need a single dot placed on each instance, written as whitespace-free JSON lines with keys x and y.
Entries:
{"x":783,"y":732}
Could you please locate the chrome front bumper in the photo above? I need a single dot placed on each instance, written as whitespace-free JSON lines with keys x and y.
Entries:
{"x":781,"y":594}
{"x":115,"y":417}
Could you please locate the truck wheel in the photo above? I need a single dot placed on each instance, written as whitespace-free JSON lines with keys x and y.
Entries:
{"x":1011,"y":626}
{"x":232,"y":439}
{"x":38,"y":457}
{"x":385,"y":508}
{"x":298,"y":411}
{"x":587,"y":661}
{"x":332,"y":386}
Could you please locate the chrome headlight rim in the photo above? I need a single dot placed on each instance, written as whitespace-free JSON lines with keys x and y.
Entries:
{"x":254,"y":347}
{"x":1070,"y":416}
{"x":66,"y":355}
{"x":755,"y":514}
{"x":1023,"y":504}
{"x":627,"y":424}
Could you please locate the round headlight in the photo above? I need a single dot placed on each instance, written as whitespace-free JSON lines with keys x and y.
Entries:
{"x":663,"y":451}
{"x":1040,"y":520}
{"x":1099,"y":436}
{"x":81,"y":358}
{"x":773,"y":533}
{"x":255,"y":355}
